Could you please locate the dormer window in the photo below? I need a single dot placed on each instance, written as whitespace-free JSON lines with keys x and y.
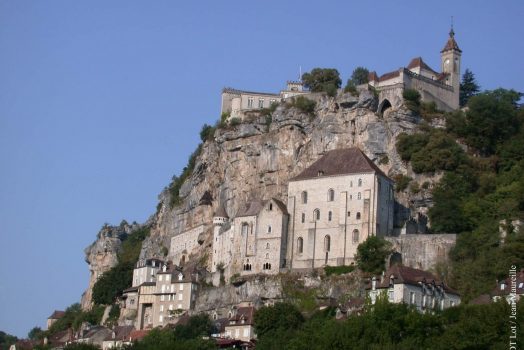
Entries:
{"x":502,"y":286}
{"x":180,"y":276}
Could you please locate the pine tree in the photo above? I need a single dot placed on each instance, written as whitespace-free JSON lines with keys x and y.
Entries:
{"x":468,"y":87}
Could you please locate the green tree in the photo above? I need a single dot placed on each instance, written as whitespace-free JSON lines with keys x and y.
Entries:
{"x":35,"y":333}
{"x":207,"y":132}
{"x":468,"y":87}
{"x":322,"y":80}
{"x":6,"y":340}
{"x":359,"y":76}
{"x":372,"y":253}
{"x":281,"y":316}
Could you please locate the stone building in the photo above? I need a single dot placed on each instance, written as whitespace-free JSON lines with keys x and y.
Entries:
{"x":146,"y":300}
{"x":183,"y":244}
{"x":55,"y":316}
{"x":334,"y":205}
{"x":440,"y":87}
{"x":240,"y":324}
{"x":238,"y":102}
{"x":254,"y":241}
{"x":402,"y":284}
{"x":175,"y":292}
{"x":145,"y":271}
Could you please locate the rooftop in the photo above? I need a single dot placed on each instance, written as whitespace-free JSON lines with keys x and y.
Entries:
{"x":408,"y":275}
{"x":340,"y":162}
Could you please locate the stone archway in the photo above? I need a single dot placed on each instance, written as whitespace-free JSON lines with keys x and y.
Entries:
{"x":383,"y":106}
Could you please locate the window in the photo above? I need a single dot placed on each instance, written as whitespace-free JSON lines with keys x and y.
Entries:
{"x":181,"y":287}
{"x":424,"y":301}
{"x":316,"y":214}
{"x":359,"y":182}
{"x":170,"y":306}
{"x":331,"y":195}
{"x":269,"y":229}
{"x":162,"y":297}
{"x":180,"y":277}
{"x":304,"y":197}
{"x":180,"y":296}
{"x":161,"y":318}
{"x":303,"y":217}
{"x":163,"y":288}
{"x":266,"y":266}
{"x":451,"y":303}
{"x":391,"y":295}
{"x":350,"y":183}
{"x":359,"y":196}
{"x":250,"y":102}
{"x":349,"y":214}
{"x":270,"y":206}
{"x":267,"y":255}
{"x":350,"y":197}
{"x":260,"y":103}
{"x":179,"y":306}
{"x":412,"y":298}
{"x":161,"y":308}
{"x":441,"y":304}
{"x":244,"y":228}
{"x":267,"y":245}
{"x":272,"y":101}
{"x":330,"y":215}
{"x":160,"y":278}
{"x":246,"y":332}
{"x":327,"y":243}
{"x":356,"y":237}
{"x":358,"y":215}
{"x":300,"y":245}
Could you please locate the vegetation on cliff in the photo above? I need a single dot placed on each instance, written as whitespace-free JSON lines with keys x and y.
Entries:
{"x":482,"y":184}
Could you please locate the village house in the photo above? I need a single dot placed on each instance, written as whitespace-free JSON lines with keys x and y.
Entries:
{"x":240,"y":323}
{"x":120,"y":336}
{"x":421,"y":289}
{"x":55,"y":316}
{"x":335,"y":204}
{"x":145,"y":271}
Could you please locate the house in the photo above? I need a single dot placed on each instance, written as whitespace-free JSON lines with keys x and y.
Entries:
{"x":130,"y":298}
{"x":241,"y":323}
{"x":93,"y":335}
{"x":145,"y":271}
{"x":442,"y":87}
{"x":511,"y":289}
{"x":120,"y":335}
{"x":55,"y":316}
{"x":146,"y":300}
{"x":254,"y":242}
{"x":335,"y":204}
{"x":402,"y":284}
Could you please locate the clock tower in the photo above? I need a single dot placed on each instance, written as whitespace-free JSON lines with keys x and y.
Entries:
{"x":450,"y":63}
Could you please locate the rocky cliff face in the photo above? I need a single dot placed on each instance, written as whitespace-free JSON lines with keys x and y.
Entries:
{"x":102,"y":255}
{"x":256,"y":158}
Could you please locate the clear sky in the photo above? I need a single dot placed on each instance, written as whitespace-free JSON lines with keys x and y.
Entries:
{"x":101,"y":103}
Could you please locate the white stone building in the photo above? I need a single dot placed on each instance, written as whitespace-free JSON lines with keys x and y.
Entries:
{"x":239,"y":102}
{"x":254,"y":241}
{"x":145,"y":271}
{"x":440,"y":87}
{"x":183,"y":244}
{"x":334,"y":205}
{"x":402,"y":284}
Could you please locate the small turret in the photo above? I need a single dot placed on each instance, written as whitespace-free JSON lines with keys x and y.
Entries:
{"x":220,"y":217}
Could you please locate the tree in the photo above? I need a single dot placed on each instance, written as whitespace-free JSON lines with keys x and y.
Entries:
{"x":35,"y":333}
{"x":468,"y":87}
{"x":281,"y":316}
{"x":359,"y":76}
{"x":372,"y":253}
{"x":322,"y":80}
{"x":207,"y":132}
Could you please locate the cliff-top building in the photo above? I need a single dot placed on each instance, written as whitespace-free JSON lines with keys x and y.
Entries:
{"x":439,"y":87}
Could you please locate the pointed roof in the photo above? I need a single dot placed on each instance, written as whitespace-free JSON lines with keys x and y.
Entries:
{"x":221,"y":212}
{"x":254,"y":207}
{"x":451,"y":44}
{"x":372,"y":76}
{"x":56,"y":315}
{"x":419,"y":62}
{"x":340,"y":162}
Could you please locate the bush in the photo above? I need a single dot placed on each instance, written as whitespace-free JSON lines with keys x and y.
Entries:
{"x":412,"y":99}
{"x":207,"y":132}
{"x":304,"y":104}
{"x":338,"y":270}
{"x":359,"y":76}
{"x":401,"y":182}
{"x":234,"y":121}
{"x":282,"y":316}
{"x":178,"y":181}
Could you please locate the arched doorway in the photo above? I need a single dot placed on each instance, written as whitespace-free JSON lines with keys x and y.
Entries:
{"x":383,"y":106}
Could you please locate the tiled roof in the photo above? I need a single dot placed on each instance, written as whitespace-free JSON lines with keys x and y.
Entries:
{"x":57,"y":314}
{"x":451,"y":44}
{"x":408,"y":275}
{"x":121,"y":333}
{"x":372,"y":76}
{"x":507,"y":282}
{"x":129,"y":290}
{"x":340,"y":162}
{"x":418,"y":62}
{"x":254,"y":207}
{"x":389,"y":75}
{"x":138,"y":334}
{"x":221,"y":212}
{"x":245,"y":313}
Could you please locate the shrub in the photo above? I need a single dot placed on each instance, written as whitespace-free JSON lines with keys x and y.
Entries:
{"x":401,"y":182}
{"x":207,"y":132}
{"x":352,"y":89}
{"x":234,"y":121}
{"x":384,"y":160}
{"x":178,"y":181}
{"x":280,"y":316}
{"x":338,"y":270}
{"x":412,"y":99}
{"x":304,"y":104}
{"x":414,"y":187}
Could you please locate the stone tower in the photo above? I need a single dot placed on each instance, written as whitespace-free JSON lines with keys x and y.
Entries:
{"x":450,"y":64}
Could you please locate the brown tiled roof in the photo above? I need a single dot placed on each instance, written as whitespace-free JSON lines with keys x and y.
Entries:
{"x":519,"y":285}
{"x":418,"y":62}
{"x":451,"y":44}
{"x":56,"y":315}
{"x":138,"y":334}
{"x":408,"y":275}
{"x":60,"y":338}
{"x":121,"y":333}
{"x":245,"y":313}
{"x":372,"y":76}
{"x":340,"y":162}
{"x":389,"y":75}
{"x":221,"y":212}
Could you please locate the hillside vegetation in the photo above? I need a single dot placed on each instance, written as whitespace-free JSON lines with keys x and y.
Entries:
{"x":482,"y":184}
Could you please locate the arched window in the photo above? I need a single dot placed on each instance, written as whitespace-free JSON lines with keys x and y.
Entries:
{"x":331,"y":195}
{"x":356,"y":237}
{"x":358,"y":215}
{"x":267,"y":245}
{"x":270,"y":206}
{"x":304,"y":197}
{"x":316,"y":214}
{"x":350,"y":183}
{"x":303,"y":217}
{"x":330,"y":216}
{"x":359,"y":196}
{"x":269,"y":229}
{"x":267,"y":255}
{"x":327,"y":243}
{"x":300,"y":245}
{"x":359,"y":182}
{"x":245,"y":228}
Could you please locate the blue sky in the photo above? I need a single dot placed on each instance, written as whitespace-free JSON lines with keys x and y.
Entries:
{"x":101,"y":103}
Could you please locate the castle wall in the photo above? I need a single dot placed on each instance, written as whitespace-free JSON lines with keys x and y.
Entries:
{"x":184,"y":243}
{"x":444,"y":96}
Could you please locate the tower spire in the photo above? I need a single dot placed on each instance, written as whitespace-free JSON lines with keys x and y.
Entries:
{"x":451,"y":32}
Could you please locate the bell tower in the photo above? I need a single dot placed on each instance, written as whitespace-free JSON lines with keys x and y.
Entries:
{"x":450,"y":64}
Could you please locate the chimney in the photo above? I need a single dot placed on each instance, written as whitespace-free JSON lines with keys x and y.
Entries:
{"x":374,"y":283}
